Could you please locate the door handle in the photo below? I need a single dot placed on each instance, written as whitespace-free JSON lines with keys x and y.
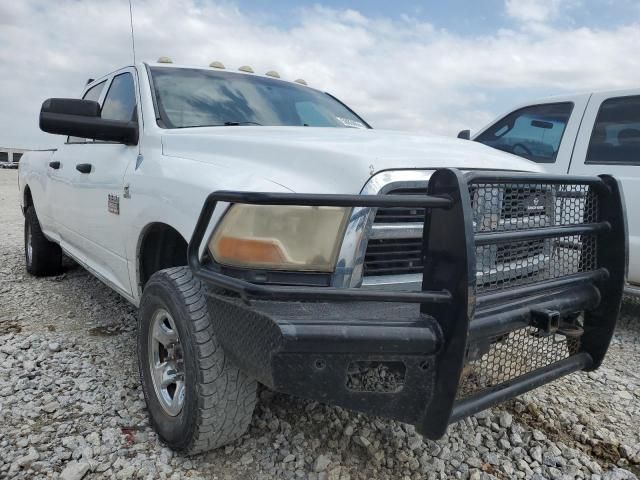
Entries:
{"x":84,"y":167}
{"x":54,"y":165}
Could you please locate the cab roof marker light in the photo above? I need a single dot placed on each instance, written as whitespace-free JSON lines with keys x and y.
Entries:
{"x":301,"y":81}
{"x":217,"y":64}
{"x":272,"y":73}
{"x":165,"y":60}
{"x":246,"y":68}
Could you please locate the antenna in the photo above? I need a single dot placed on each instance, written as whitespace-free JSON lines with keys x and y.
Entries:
{"x":133,"y":42}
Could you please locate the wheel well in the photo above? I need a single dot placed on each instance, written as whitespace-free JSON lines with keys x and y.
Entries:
{"x":161,"y":246}
{"x":28,"y":199}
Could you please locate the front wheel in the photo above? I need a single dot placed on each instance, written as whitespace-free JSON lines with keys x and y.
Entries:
{"x":197,"y":399}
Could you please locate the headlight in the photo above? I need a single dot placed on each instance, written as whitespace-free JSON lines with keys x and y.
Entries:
{"x":280,"y":237}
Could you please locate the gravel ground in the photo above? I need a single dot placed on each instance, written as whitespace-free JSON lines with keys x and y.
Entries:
{"x":71,"y":406}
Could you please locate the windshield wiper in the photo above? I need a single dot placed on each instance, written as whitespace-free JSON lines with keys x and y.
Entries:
{"x":240,"y":123}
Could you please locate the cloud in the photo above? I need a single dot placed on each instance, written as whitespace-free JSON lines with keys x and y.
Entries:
{"x":399,"y":73}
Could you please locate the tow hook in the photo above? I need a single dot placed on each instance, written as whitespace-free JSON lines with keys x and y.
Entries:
{"x":550,"y":322}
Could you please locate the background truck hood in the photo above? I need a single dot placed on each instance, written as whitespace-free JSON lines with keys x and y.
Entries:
{"x":329,"y":160}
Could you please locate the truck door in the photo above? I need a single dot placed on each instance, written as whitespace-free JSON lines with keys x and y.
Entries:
{"x":92,"y":189}
{"x":609,"y":142}
{"x":59,"y":171}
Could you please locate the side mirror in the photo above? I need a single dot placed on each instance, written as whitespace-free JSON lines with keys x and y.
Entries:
{"x":464,"y":134}
{"x":81,"y":118}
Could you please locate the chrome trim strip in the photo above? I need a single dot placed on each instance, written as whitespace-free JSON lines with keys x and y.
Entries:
{"x":512,"y":270}
{"x":487,"y":276}
{"x":350,"y":263}
{"x":390,"y":281}
{"x":396,"y":230}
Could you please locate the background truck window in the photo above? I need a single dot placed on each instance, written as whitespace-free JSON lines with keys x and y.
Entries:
{"x":120,"y":102}
{"x":532,"y":132}
{"x":616,"y":133}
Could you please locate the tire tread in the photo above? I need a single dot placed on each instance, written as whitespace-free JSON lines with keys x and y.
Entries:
{"x":226,"y":396}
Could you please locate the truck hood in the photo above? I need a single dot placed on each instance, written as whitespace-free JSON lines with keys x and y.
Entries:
{"x":329,"y":160}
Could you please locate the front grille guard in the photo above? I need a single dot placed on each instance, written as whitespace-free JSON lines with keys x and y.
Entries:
{"x":483,"y":332}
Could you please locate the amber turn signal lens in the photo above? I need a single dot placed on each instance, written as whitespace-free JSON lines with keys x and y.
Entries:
{"x":250,"y":251}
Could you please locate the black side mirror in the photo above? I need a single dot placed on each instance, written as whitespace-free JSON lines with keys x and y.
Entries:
{"x":464,"y":134}
{"x":81,"y":118}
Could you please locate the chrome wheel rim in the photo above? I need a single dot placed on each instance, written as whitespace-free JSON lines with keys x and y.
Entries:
{"x":29,"y":246}
{"x":166,"y":363}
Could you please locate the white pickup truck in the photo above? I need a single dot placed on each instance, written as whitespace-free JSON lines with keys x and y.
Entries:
{"x":269,"y":235}
{"x":581,"y":134}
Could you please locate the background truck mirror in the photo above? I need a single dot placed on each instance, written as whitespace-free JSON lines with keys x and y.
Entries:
{"x":465,"y":134}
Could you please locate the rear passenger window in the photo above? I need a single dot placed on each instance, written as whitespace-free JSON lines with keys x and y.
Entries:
{"x":616,"y":134}
{"x":92,"y":94}
{"x":120,"y":102}
{"x":532,"y":132}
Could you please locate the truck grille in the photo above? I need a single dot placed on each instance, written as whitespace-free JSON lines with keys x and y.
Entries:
{"x":393,"y":256}
{"x":500,"y":207}
{"x":402,"y":215}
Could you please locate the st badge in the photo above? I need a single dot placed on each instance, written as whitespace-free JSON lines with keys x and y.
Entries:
{"x":113,"y":204}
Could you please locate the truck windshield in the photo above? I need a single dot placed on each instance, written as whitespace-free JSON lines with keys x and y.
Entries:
{"x":191,"y":97}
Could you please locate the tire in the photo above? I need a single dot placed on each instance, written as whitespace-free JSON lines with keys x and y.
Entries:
{"x":214,"y":403}
{"x":42,"y":257}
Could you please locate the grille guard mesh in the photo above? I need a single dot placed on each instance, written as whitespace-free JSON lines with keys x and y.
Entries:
{"x":515,"y":207}
{"x":509,"y":207}
{"x":501,"y":207}
{"x":513,"y":355}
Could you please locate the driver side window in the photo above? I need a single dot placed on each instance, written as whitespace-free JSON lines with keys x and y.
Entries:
{"x":532,"y":132}
{"x":120,"y":102}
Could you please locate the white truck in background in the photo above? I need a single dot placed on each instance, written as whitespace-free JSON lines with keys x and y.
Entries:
{"x":268,"y":234}
{"x":581,"y":134}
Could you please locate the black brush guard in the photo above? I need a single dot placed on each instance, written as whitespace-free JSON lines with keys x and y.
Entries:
{"x":453,"y":348}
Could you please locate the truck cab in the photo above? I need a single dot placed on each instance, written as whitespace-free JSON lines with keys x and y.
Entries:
{"x":582,"y":134}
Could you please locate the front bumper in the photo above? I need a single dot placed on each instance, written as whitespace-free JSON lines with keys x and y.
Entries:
{"x":437,"y":355}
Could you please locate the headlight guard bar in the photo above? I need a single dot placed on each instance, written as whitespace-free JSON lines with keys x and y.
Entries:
{"x":273,"y":292}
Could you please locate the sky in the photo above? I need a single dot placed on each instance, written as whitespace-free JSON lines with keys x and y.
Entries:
{"x":430,"y":66}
